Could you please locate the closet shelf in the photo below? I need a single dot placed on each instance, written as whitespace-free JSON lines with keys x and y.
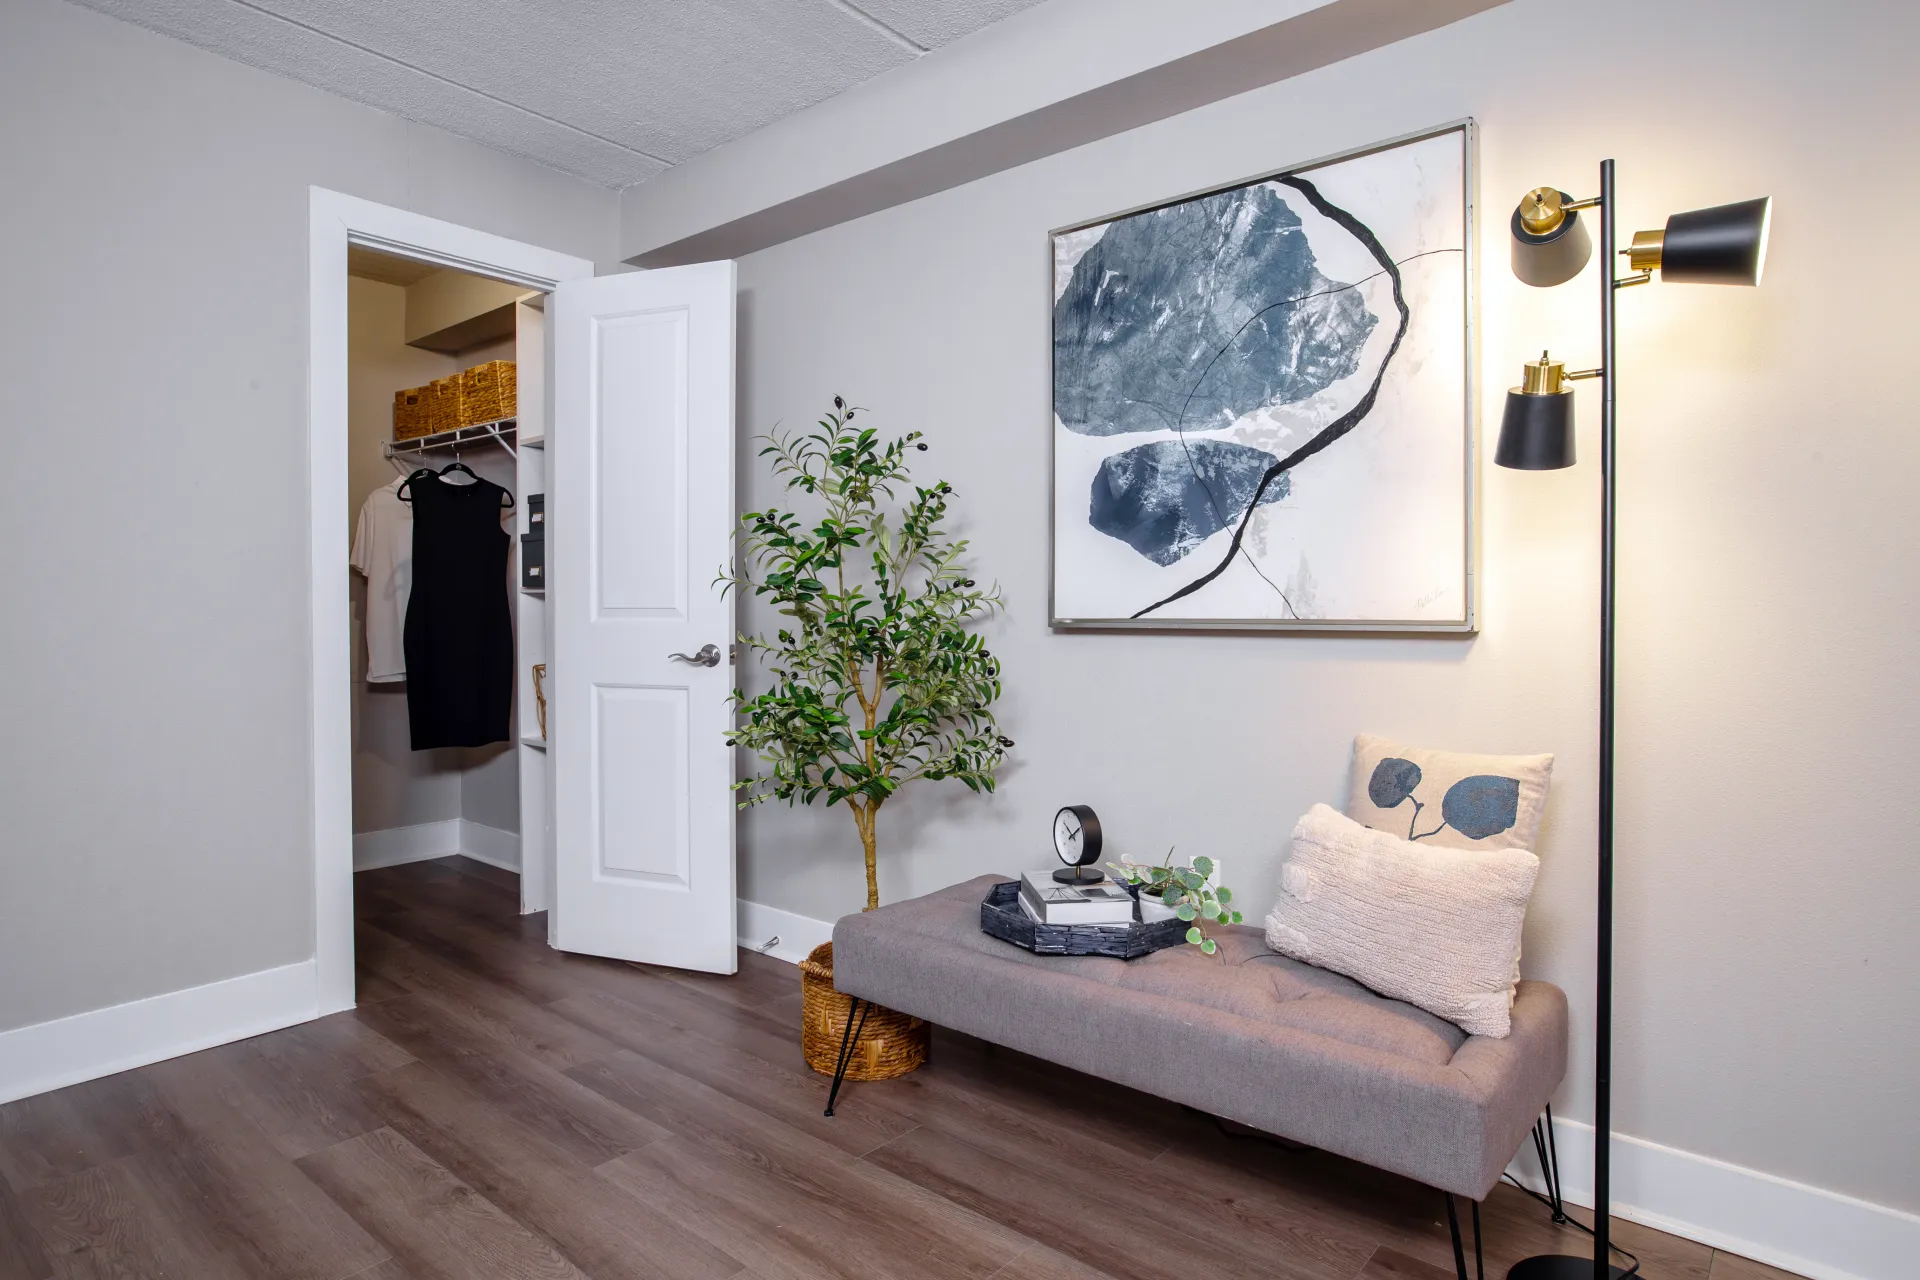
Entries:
{"x":501,"y":433}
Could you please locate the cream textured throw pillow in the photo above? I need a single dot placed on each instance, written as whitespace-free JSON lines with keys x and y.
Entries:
{"x":1433,"y":926}
{"x":1448,"y":797}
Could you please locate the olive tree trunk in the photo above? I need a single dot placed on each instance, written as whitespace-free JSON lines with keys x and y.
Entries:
{"x":863,"y":816}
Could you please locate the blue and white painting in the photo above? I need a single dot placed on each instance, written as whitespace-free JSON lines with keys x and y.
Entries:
{"x":1261,"y":408}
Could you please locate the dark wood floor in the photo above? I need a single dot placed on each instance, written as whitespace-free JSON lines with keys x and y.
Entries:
{"x":497,"y":1109}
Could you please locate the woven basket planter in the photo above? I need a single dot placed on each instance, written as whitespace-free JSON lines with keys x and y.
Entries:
{"x":891,"y":1044}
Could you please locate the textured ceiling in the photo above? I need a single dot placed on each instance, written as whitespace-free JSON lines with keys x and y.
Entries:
{"x":611,"y":90}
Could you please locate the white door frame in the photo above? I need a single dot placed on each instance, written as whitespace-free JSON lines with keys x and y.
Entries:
{"x":334,"y":222}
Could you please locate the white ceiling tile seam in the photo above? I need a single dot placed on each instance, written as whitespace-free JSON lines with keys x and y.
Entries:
{"x":900,"y":38}
{"x":451,"y":83}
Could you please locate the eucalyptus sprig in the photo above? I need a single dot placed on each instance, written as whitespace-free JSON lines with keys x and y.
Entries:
{"x":877,"y":679}
{"x":1188,"y":890}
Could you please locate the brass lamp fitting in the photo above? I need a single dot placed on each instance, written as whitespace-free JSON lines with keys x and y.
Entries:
{"x":1542,"y":210}
{"x":1645,"y":253}
{"x":1543,"y":377}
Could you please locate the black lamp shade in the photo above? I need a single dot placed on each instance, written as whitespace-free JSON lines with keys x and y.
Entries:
{"x":1536,"y":431}
{"x":1723,"y":245}
{"x":1554,"y":257}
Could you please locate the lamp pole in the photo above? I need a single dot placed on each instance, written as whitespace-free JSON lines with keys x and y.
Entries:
{"x":1603,"y":961}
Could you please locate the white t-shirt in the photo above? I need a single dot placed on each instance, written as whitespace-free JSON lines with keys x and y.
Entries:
{"x":383,"y":551}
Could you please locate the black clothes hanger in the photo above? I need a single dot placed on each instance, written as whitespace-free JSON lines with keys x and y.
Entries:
{"x":401,"y":493}
{"x":506,"y":495}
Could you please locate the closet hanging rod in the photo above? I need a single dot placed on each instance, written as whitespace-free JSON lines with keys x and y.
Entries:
{"x":500,"y":433}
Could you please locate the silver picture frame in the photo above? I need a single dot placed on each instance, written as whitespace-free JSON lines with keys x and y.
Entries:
{"x":1468,"y":622}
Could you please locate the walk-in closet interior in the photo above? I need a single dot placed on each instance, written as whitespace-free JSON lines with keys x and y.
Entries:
{"x":445,"y":536}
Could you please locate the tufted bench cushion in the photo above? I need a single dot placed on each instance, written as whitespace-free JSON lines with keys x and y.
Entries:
{"x":1247,"y":1035}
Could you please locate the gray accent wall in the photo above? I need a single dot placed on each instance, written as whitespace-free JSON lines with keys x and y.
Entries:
{"x":1768,"y":886}
{"x":155,"y":799}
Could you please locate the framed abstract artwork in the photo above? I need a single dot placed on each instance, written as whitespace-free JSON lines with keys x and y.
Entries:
{"x":1264,"y":403}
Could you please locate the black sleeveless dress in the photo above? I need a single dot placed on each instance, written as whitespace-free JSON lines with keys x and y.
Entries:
{"x":459,"y":628}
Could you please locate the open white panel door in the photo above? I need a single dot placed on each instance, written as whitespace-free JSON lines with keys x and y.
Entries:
{"x":640,"y":519}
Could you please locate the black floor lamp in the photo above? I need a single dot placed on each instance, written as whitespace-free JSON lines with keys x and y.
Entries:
{"x":1724,"y":245}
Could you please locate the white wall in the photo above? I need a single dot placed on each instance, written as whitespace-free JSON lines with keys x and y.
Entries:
{"x":156,"y":803}
{"x":1769,"y":888}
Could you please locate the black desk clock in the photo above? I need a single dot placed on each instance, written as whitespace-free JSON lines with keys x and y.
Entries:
{"x":1076,"y":840}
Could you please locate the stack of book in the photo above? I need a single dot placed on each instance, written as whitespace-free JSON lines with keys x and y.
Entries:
{"x":1104,"y":905}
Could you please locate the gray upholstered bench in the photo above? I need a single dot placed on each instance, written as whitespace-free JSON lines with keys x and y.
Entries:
{"x":1247,"y":1035}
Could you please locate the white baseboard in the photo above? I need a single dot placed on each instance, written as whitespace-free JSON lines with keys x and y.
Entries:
{"x":1786,"y":1224}
{"x":490,"y":845}
{"x":396,"y":846}
{"x":798,"y":934}
{"x":86,"y":1046}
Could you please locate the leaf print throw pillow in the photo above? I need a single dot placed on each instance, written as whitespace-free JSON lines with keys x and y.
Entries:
{"x":1450,"y":798}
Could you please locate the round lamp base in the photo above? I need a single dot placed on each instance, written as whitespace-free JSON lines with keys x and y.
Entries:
{"x":1558,"y":1266}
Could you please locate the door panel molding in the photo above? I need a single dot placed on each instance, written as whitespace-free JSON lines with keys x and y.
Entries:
{"x":649,"y":725}
{"x":639,"y":360}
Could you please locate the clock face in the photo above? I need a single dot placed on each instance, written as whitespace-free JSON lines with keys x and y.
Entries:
{"x":1076,"y":835}
{"x":1069,"y":836}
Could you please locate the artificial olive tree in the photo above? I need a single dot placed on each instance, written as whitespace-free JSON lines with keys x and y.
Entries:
{"x":877,"y":679}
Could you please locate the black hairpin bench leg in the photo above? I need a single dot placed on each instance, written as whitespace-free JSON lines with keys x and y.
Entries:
{"x":1548,"y":1151}
{"x":1459,"y":1254}
{"x":1479,"y":1262}
{"x":849,"y":1041}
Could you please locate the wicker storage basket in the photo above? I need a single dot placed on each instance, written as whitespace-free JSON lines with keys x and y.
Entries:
{"x":410,"y":413}
{"x":444,"y":401}
{"x":891,"y":1044}
{"x":488,"y":392}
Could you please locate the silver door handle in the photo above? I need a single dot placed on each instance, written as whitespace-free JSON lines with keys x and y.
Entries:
{"x":709,"y":656}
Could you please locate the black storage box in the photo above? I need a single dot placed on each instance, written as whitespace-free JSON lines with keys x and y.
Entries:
{"x":533,"y":562}
{"x":537,"y":514}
